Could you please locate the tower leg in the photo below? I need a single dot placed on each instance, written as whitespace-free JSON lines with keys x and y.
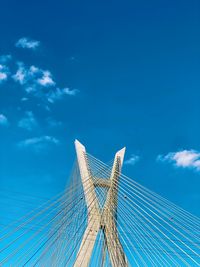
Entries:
{"x":115,"y":249}
{"x":106,"y":219}
{"x":87,"y":244}
{"x":89,"y":237}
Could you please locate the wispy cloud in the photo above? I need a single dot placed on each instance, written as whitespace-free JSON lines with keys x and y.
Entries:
{"x":27,"y":43}
{"x":24,"y":99}
{"x":5,"y":58}
{"x":132,"y":160}
{"x":53,"y":123}
{"x":184,"y":159}
{"x":3,"y":73}
{"x":38,"y":143}
{"x":58,"y":94}
{"x":29,"y":121}
{"x":3,"y":120}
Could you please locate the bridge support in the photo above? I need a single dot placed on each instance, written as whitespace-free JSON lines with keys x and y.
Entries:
{"x":105,"y":218}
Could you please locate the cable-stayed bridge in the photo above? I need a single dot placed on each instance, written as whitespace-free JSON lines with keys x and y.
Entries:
{"x":103,"y":218}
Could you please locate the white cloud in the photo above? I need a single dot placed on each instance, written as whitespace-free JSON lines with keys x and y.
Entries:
{"x":132,"y":160}
{"x":46,"y":79}
{"x":27,"y":43}
{"x":32,"y":77}
{"x":58,"y":93}
{"x":21,"y":74}
{"x":40,"y":83}
{"x":3,"y":120}
{"x":3,"y":73}
{"x":29,"y":122}
{"x":3,"y":76}
{"x":185,"y":159}
{"x":33,"y":70}
{"x":38,"y":143}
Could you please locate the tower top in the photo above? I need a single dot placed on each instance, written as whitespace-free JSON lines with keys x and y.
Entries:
{"x":119,"y":153}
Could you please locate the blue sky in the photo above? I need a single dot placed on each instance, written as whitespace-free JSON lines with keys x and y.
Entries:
{"x":109,"y":73}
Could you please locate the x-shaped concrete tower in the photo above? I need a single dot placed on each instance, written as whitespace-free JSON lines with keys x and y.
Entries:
{"x":100,"y":219}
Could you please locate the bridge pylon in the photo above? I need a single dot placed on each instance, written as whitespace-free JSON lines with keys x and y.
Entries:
{"x":104,"y":218}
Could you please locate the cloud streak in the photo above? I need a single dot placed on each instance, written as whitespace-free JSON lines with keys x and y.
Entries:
{"x":29,"y":122}
{"x":184,"y":159}
{"x":27,"y":43}
{"x":38,"y":143}
{"x":58,"y":94}
{"x":132,"y":160}
{"x":53,"y":123}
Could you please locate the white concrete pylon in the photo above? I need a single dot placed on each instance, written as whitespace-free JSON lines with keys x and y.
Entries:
{"x":98,"y":219}
{"x":109,"y":215}
{"x":89,"y":237}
